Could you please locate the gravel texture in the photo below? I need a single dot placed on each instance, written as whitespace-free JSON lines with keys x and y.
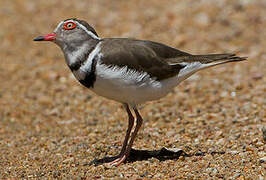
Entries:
{"x":52,"y":127}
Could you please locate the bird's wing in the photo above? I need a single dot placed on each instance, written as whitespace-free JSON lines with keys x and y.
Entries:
{"x":162,"y":50}
{"x":137,"y":55}
{"x":175,"y":56}
{"x":159,"y":60}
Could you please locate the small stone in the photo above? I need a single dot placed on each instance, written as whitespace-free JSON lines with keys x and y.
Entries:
{"x":62,"y":79}
{"x":56,"y":174}
{"x":218,"y":133}
{"x":234,"y":152}
{"x":257,"y":76}
{"x":158,"y":175}
{"x":259,"y":144}
{"x":53,"y":75}
{"x":182,"y":158}
{"x":261,"y":154}
{"x":43,"y":99}
{"x":202,"y":19}
{"x":241,"y":177}
{"x":255,"y":140}
{"x":261,"y":177}
{"x":264,"y":133}
{"x":171,"y":133}
{"x":174,"y":149}
{"x":236,"y":175}
{"x":248,"y":148}
{"x":68,"y":160}
{"x":212,"y":170}
{"x":263,"y":159}
{"x":220,"y":141}
{"x":224,"y":94}
{"x":53,"y":112}
{"x":85,"y":162}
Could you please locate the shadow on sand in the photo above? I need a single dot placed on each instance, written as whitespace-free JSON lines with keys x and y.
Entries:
{"x":162,"y":155}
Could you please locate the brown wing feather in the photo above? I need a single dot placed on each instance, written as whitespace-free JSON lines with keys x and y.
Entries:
{"x":139,"y":56}
{"x":174,"y":56}
{"x":163,"y":50}
{"x":205,"y":59}
{"x":158,"y":60}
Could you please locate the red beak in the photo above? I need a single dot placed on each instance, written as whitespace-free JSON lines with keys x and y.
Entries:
{"x":48,"y":37}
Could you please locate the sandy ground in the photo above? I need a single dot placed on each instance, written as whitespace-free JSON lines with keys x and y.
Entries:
{"x":52,"y":127}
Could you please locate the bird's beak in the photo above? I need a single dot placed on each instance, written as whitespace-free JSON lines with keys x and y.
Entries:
{"x":48,"y":37}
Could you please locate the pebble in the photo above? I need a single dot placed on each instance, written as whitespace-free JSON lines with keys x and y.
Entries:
{"x":263,"y":159}
{"x":264,"y":133}
{"x":259,"y":144}
{"x":43,"y":99}
{"x":62,"y":79}
{"x":261,"y":154}
{"x":202,"y":19}
{"x":236,"y":175}
{"x":261,"y":177}
{"x":212,"y":170}
{"x":234,"y":152}
{"x":85,"y":162}
{"x":53,"y":112}
{"x":173,"y":149}
{"x":220,"y":141}
{"x":218,"y":133}
{"x":71,"y":159}
{"x":233,"y":94}
{"x":248,"y":148}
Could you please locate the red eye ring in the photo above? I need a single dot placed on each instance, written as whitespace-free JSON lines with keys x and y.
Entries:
{"x":69,"y":25}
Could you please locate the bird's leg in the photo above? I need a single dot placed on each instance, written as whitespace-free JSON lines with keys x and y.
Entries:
{"x":129,"y":128}
{"x":133,"y":136}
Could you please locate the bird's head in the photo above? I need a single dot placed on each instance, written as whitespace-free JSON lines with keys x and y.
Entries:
{"x":70,"y":32}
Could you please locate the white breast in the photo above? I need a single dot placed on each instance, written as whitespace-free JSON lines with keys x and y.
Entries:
{"x":129,"y":86}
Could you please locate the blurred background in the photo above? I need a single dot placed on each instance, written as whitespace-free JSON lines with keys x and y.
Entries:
{"x":51,"y":126}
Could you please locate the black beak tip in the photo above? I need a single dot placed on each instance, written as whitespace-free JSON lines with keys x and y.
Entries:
{"x":39,"y":38}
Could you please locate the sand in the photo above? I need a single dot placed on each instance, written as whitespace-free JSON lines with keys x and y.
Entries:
{"x":52,"y":127}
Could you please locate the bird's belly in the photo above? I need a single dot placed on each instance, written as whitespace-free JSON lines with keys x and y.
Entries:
{"x":129,"y":86}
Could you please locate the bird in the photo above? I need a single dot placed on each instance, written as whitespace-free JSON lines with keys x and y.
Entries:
{"x":127,"y":70}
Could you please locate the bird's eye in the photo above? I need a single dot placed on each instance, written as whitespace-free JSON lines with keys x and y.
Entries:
{"x":69,"y":25}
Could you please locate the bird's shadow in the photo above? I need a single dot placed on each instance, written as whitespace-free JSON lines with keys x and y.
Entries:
{"x":162,"y":155}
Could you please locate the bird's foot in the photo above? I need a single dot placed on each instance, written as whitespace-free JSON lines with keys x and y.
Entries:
{"x":122,"y":158}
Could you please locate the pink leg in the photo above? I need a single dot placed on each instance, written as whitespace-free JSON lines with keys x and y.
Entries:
{"x":133,"y":136}
{"x":130,"y":125}
{"x":129,"y":128}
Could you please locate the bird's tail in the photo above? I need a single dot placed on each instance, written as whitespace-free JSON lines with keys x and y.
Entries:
{"x":194,"y":63}
{"x":213,"y":59}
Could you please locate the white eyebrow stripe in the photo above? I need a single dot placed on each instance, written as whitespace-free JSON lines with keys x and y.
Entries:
{"x":88,"y":32}
{"x":58,"y":26}
{"x":80,"y":25}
